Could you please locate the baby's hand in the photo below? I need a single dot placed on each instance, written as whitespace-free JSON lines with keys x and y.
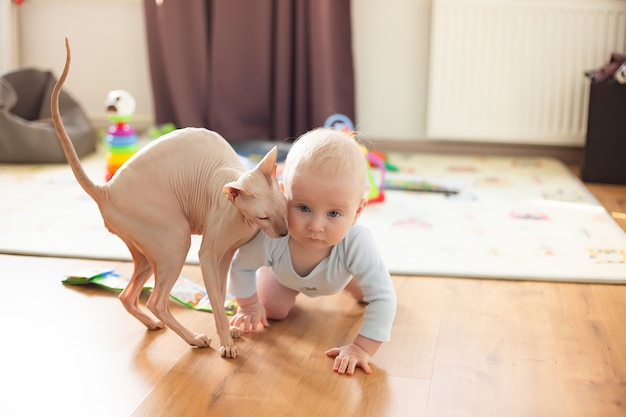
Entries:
{"x":250,"y":315}
{"x":348,"y":357}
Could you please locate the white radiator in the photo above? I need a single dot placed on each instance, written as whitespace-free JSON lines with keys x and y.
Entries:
{"x":513,"y":70}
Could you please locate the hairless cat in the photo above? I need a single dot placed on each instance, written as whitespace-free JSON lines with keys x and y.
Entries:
{"x":189,"y":181}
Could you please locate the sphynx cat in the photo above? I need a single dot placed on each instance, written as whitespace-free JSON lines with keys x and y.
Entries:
{"x":187,"y":182}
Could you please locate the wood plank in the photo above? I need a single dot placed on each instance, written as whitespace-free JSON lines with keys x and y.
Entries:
{"x":490,"y":361}
{"x":461,"y":347}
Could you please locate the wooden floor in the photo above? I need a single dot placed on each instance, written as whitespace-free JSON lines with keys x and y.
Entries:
{"x":460,"y":347}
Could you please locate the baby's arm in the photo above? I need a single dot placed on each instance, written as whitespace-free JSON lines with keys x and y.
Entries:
{"x":357,"y":354}
{"x":372,"y":278}
{"x":242,"y":284}
{"x":250,"y":313}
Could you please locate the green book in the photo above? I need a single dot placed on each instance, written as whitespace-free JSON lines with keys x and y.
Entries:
{"x":185,"y":291}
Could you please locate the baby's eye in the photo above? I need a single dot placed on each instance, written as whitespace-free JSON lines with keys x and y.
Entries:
{"x":304,"y":209}
{"x":334,"y":213}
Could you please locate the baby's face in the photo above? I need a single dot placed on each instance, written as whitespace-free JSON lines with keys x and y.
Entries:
{"x":321,"y":209}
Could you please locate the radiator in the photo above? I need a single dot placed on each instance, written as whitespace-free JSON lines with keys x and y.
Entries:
{"x":513,"y":70}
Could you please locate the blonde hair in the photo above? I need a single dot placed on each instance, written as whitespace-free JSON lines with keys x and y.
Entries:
{"x":329,"y":151}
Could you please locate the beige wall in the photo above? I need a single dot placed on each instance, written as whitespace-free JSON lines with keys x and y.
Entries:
{"x":108,"y":49}
{"x":109,"y":52}
{"x":391,"y":40}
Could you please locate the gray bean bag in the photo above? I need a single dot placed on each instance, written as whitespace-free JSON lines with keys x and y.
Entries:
{"x":26,"y":131}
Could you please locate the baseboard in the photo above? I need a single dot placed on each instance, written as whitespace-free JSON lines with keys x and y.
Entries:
{"x":569,"y":155}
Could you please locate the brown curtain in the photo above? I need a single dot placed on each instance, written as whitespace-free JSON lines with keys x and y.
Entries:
{"x":250,"y":69}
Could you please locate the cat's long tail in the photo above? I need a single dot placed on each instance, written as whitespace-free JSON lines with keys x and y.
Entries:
{"x":95,"y":191}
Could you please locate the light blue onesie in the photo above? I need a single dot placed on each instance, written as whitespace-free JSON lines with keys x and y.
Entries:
{"x":355,"y":256}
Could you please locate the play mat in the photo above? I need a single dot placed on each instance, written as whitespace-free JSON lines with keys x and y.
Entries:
{"x":468,"y":216}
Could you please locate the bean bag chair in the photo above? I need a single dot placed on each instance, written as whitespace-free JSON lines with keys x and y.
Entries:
{"x":26,"y":131}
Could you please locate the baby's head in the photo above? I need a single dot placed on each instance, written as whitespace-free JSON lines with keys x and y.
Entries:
{"x":329,"y":154}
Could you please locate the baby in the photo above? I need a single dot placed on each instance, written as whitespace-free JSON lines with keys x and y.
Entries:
{"x":324,"y":181}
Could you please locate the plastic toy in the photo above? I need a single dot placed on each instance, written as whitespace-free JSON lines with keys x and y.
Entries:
{"x":375,"y":191}
{"x":158,"y":131}
{"x":388,"y":165}
{"x":375,"y":194}
{"x":121,"y":139}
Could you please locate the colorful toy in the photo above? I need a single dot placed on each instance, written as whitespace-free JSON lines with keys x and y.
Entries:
{"x":121,"y":139}
{"x":375,"y":194}
{"x":388,"y":165}
{"x":158,"y":131}
{"x":375,"y":191}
